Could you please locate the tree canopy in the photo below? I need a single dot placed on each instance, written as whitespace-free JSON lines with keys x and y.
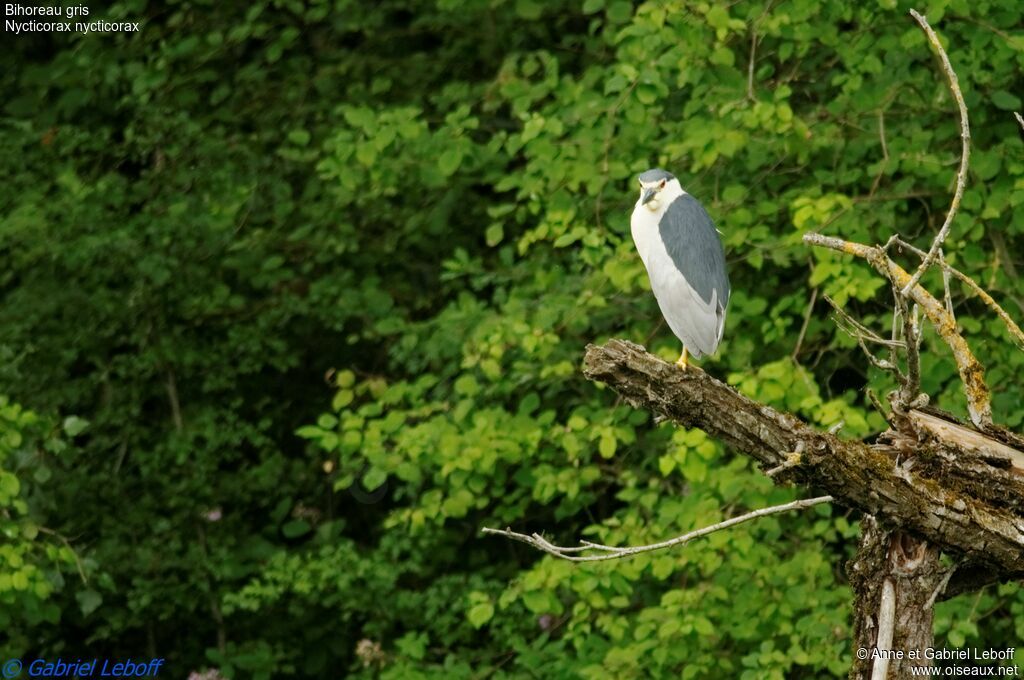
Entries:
{"x":294,"y":295}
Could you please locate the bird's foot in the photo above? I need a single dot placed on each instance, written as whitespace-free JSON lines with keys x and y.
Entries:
{"x":682,"y":362}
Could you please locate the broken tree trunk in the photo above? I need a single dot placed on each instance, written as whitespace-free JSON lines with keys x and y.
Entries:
{"x":892,"y":567}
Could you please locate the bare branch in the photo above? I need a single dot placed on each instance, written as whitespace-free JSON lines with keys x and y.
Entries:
{"x":857,"y":328}
{"x":945,"y":285}
{"x":860,"y":333}
{"x":806,"y":322}
{"x":885,"y":154}
{"x":965,"y":139}
{"x":941,"y":588}
{"x":614,"y":553}
{"x":989,"y":301}
{"x":172,"y":396}
{"x":878,"y":406}
{"x":67,"y":544}
{"x":912,"y":342}
{"x":972,"y":373}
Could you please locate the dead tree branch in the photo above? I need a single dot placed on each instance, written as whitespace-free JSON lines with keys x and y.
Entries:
{"x":614,"y":553}
{"x":972,"y":373}
{"x":965,"y":153}
{"x":873,"y":478}
{"x":863,"y":335}
{"x":975,"y":287}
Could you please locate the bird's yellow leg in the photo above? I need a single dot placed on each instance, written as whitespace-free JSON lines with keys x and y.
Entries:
{"x":681,"y":362}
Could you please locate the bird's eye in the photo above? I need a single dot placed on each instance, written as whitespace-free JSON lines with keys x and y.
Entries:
{"x":662,"y":185}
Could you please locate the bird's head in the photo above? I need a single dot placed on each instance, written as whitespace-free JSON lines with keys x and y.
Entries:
{"x":651,"y":184}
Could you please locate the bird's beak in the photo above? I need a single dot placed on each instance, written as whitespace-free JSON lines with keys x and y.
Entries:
{"x":648,"y":195}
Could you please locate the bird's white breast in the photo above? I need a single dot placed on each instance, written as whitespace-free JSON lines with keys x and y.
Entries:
{"x":644,"y":223}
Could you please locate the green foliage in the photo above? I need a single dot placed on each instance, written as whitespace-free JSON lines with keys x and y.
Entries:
{"x":427,"y":203}
{"x":34,"y":559}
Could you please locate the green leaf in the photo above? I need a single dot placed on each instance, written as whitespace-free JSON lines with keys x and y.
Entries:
{"x":9,"y":485}
{"x":13,"y":439}
{"x":723,"y":56}
{"x":718,"y":17}
{"x":295,"y":528}
{"x":494,"y":234}
{"x":529,"y":9}
{"x":619,"y":12}
{"x":480,"y":614}
{"x":467,"y":385}
{"x":448,"y":162}
{"x":342,"y":398}
{"x":374,"y":478}
{"x":1005,"y":100}
{"x":74,"y":426}
{"x":299,"y":137}
{"x":88,"y":600}
{"x":703,"y":626}
{"x":413,"y":645}
{"x":607,"y":446}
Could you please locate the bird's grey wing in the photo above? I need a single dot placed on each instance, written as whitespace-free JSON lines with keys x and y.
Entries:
{"x":693,"y":244}
{"x":696,"y":253}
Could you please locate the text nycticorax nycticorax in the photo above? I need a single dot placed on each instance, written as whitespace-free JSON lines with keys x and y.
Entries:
{"x":685,"y":261}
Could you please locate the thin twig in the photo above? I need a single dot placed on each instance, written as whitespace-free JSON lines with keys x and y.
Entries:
{"x":878,"y":406}
{"x":885,"y":154}
{"x":860,"y":328}
{"x":792,"y":460}
{"x":613,"y":553}
{"x":858,"y":332}
{"x":941,"y":588}
{"x":807,"y":321}
{"x":989,"y":301}
{"x":67,"y":544}
{"x":1019,"y":119}
{"x":172,"y":396}
{"x":945,"y":285}
{"x":894,"y":356}
{"x":912,"y":342}
{"x":910,"y":384}
{"x":965,"y":139}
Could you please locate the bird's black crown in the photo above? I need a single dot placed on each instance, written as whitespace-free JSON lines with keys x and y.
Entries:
{"x":656,"y":174}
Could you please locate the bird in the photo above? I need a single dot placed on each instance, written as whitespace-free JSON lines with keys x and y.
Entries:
{"x":685,"y":261}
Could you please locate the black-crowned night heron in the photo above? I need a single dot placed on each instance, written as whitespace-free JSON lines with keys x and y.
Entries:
{"x":685,"y":261}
